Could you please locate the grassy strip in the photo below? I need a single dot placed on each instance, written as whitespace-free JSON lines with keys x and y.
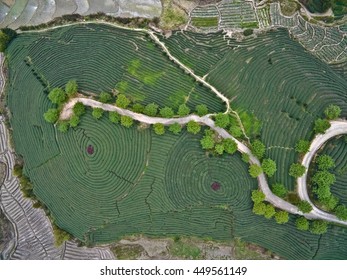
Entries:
{"x":205,"y":21}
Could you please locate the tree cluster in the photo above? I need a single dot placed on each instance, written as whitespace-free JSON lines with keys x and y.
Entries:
{"x":297,"y":170}
{"x":210,"y":141}
{"x":6,"y":36}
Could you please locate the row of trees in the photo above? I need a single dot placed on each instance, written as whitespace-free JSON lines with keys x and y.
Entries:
{"x":323,"y":179}
{"x":152,"y":109}
{"x":267,"y":210}
{"x":281,"y":217}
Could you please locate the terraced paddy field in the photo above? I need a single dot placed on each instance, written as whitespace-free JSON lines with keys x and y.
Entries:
{"x":134,"y":181}
{"x":272,"y":76}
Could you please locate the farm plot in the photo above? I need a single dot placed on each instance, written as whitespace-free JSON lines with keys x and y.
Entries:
{"x":327,"y":43}
{"x":205,"y":17}
{"x":237,"y":14}
{"x":120,"y":58}
{"x":264,"y":17}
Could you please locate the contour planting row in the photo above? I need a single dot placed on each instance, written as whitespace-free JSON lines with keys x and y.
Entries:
{"x":33,"y":237}
{"x":115,"y":57}
{"x":197,"y":51}
{"x":264,"y":17}
{"x":283,"y":100}
{"x":154,"y":181}
{"x":97,"y":173}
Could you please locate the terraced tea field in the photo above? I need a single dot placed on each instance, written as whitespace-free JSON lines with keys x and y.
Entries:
{"x":102,"y":181}
{"x":118,"y":58}
{"x":254,"y":74}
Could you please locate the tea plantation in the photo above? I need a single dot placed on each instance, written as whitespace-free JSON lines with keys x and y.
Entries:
{"x":271,"y":76}
{"x":102,"y":181}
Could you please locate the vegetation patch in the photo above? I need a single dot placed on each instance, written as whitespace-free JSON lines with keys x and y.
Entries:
{"x":127,"y":251}
{"x":184,"y":249}
{"x":205,"y":21}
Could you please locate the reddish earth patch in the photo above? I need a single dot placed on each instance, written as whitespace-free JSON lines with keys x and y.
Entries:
{"x":90,"y":150}
{"x":215,"y":186}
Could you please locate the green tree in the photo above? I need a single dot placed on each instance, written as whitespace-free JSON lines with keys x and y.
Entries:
{"x":122,"y":101}
{"x":281,"y":217}
{"x":60,"y":236}
{"x":324,"y":178}
{"x":222,"y":120}
{"x":51,"y":115}
{"x":269,"y":211}
{"x":319,"y":227}
{"x":302,"y":147}
{"x":74,"y":121}
{"x":245,"y":157}
{"x":341,"y":212}
{"x":4,"y":40}
{"x":201,"y":110}
{"x":97,"y":113}
{"x":304,"y":206}
{"x":126,"y":121}
{"x":57,"y":96}
{"x":259,"y":208}
{"x":254,"y":170}
{"x":279,"y":190}
{"x":269,"y":167}
{"x":63,"y":126}
{"x":332,"y":112}
{"x":6,"y":36}
{"x":151,"y":110}
{"x":330,"y":202}
{"x":230,"y":146}
{"x":183,"y":110}
{"x":219,"y":149}
{"x":325,"y":162}
{"x":258,"y":149}
{"x":159,"y":128}
{"x":302,"y":223}
{"x":323,"y":193}
{"x":79,"y":109}
{"x":297,"y":170}
{"x":193,"y":127}
{"x":105,"y":97}
{"x":71,"y":88}
{"x":166,"y":112}
{"x":321,"y":125}
{"x":138,"y":108}
{"x":114,"y":117}
{"x":207,"y":142}
{"x":257,"y":196}
{"x":175,"y":128}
